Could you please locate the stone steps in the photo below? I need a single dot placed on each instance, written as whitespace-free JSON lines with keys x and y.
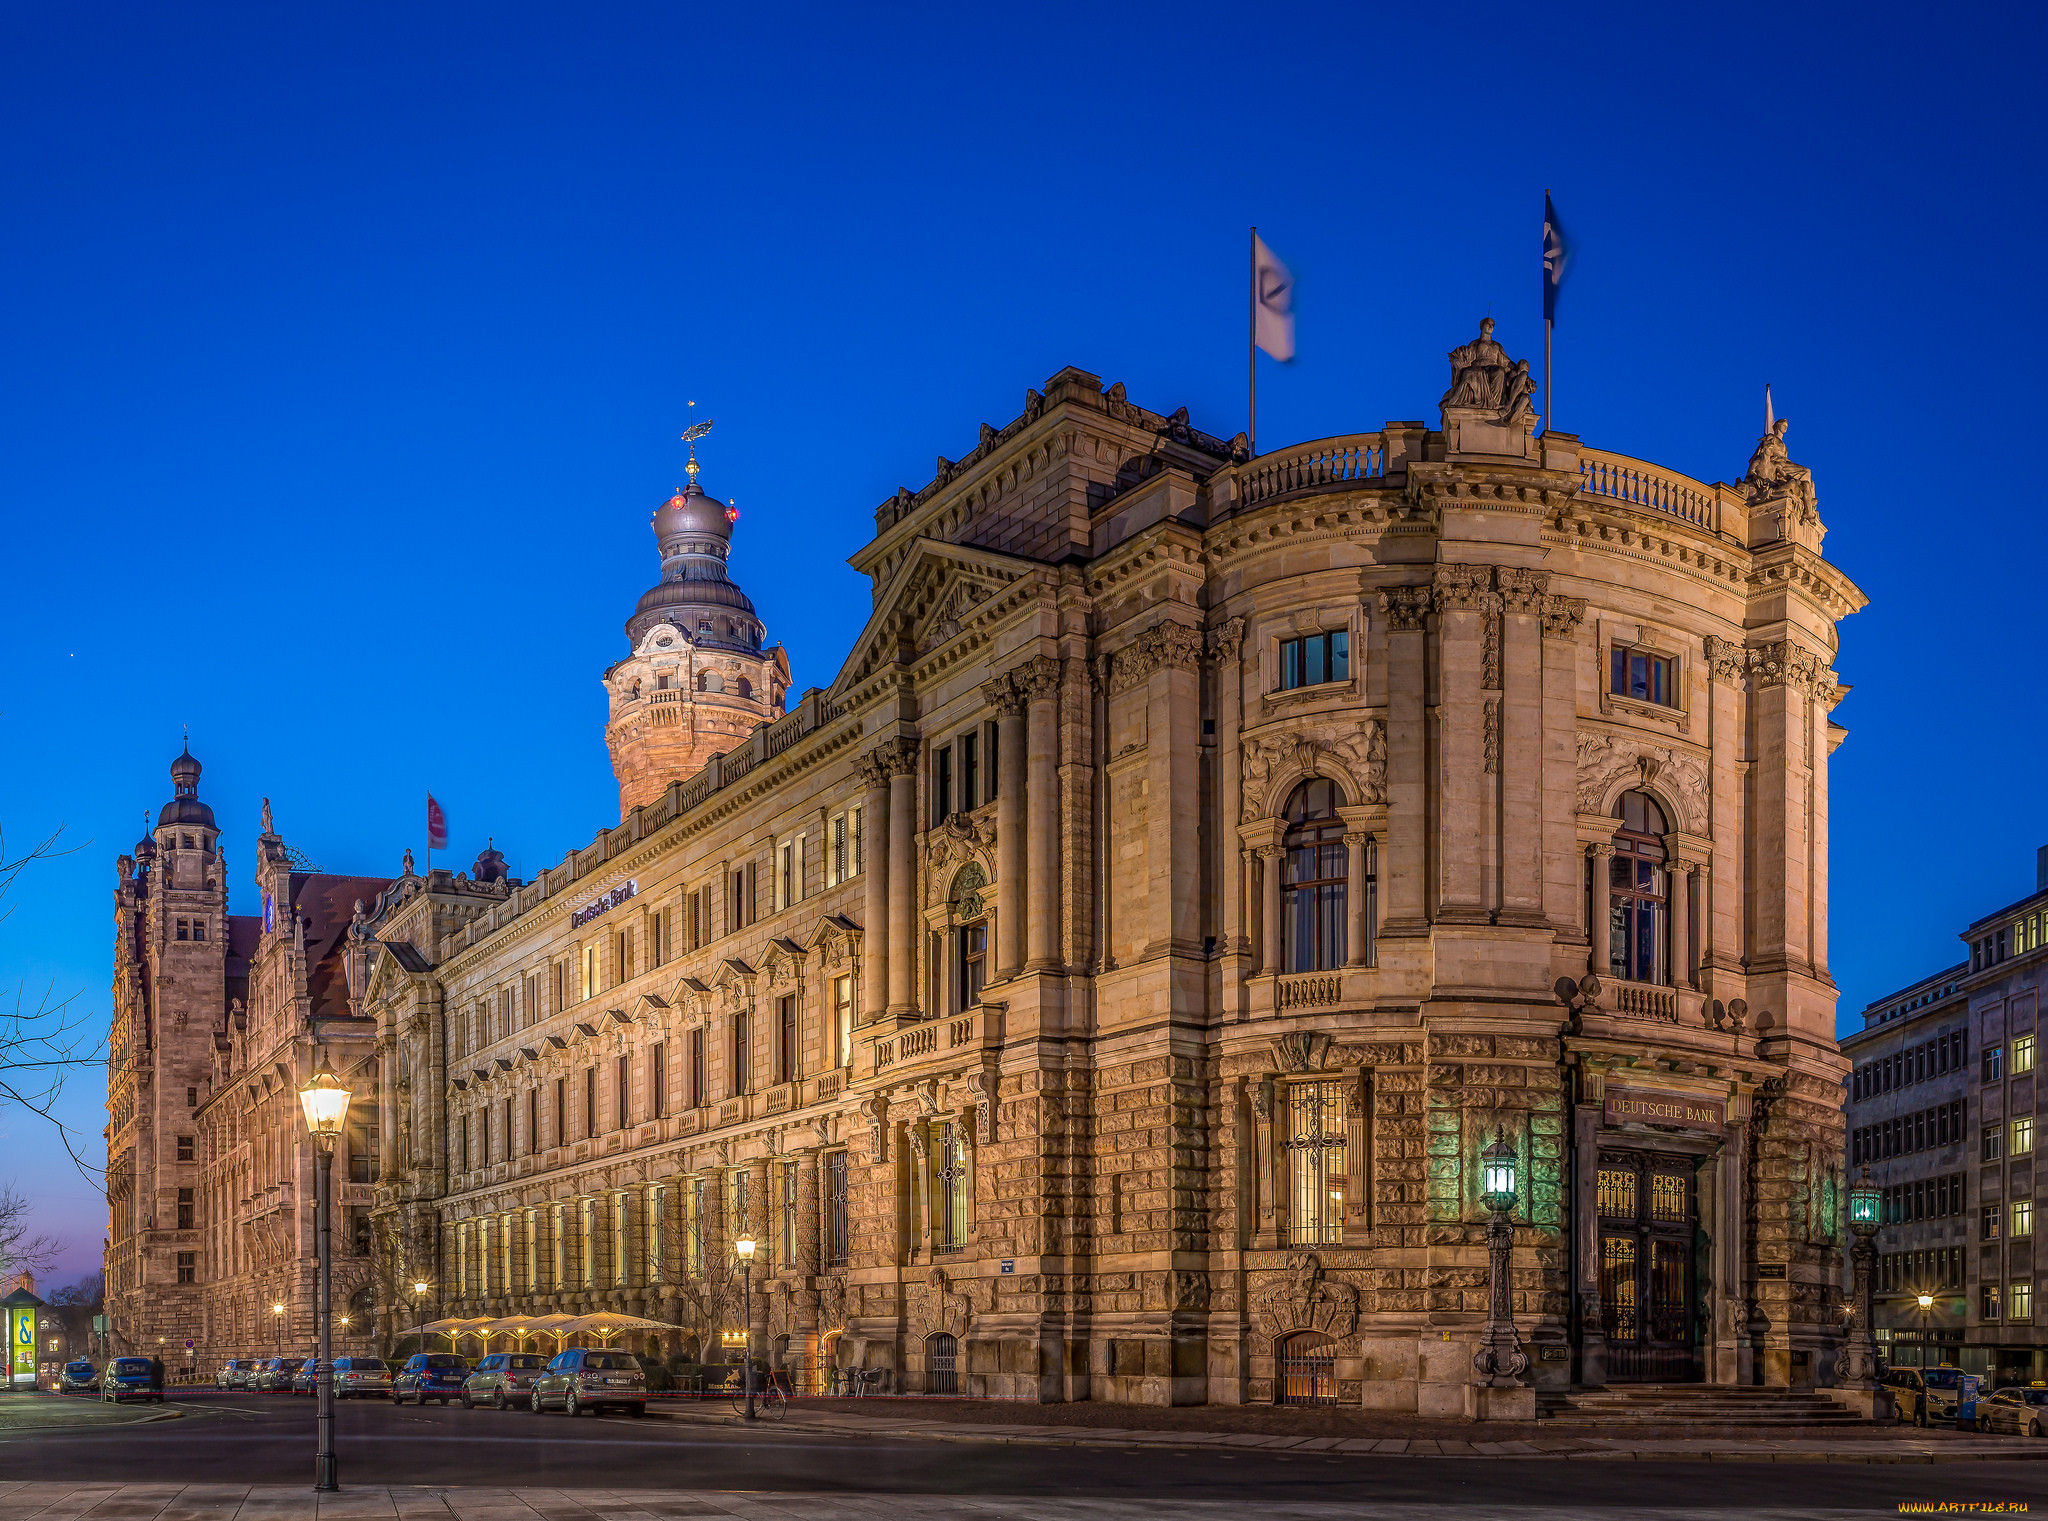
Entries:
{"x":1716,"y":1405}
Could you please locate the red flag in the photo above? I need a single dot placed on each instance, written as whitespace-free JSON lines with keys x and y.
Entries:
{"x":437,"y":825}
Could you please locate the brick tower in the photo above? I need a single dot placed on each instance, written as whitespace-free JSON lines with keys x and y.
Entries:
{"x":698,"y":681}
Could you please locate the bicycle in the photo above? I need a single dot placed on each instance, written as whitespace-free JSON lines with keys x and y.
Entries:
{"x":771,"y":1402}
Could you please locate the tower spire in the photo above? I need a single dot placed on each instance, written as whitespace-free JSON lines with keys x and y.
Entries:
{"x":691,"y":434}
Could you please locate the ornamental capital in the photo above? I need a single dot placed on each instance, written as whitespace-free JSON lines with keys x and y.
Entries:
{"x":1524,"y":591}
{"x":891,"y":758}
{"x":1406,"y":607}
{"x":1562,"y":616}
{"x":1164,"y":646}
{"x":1464,"y":589}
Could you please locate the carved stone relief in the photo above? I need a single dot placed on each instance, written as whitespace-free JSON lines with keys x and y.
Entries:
{"x":1302,"y":1299}
{"x":1355,"y":752}
{"x":1605,"y":762}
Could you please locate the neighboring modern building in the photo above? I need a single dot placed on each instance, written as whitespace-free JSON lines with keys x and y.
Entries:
{"x":1942,"y":1112}
{"x":1106,"y":987}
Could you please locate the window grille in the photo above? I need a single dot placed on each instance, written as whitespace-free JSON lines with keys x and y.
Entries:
{"x":1316,"y":1164}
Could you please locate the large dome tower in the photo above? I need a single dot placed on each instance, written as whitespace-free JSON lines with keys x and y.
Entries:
{"x":698,"y":680}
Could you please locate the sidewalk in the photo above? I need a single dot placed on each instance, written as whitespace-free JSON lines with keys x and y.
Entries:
{"x":1867,"y":1445}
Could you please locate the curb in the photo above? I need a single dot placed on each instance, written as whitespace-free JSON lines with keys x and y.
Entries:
{"x":1364,"y":1446}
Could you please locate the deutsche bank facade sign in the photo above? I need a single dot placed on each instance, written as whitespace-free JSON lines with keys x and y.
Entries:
{"x":604,"y":905}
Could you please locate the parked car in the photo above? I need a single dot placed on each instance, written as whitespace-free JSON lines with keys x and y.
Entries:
{"x":305,"y":1379}
{"x":235,"y":1373}
{"x":2021,"y":1411}
{"x":1924,"y":1396}
{"x":585,"y":1378}
{"x":273,"y":1375}
{"x":502,"y":1380}
{"x":361,"y":1378}
{"x":430,"y":1376}
{"x":130,"y":1378}
{"x":78,"y":1377}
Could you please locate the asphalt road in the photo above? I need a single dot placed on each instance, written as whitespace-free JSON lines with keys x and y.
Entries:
{"x":269,"y":1439}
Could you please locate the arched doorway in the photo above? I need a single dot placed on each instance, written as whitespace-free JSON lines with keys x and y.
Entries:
{"x":941,"y":1364}
{"x":1308,"y":1369}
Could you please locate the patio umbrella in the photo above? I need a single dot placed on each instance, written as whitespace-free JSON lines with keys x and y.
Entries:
{"x":455,"y":1327}
{"x":605,"y":1325}
{"x":523,"y":1326}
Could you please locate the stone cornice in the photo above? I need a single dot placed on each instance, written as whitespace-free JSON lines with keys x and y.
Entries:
{"x":1363,"y":511}
{"x":1813,"y":579}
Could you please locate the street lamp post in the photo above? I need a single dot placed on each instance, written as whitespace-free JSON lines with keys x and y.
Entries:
{"x":277,"y":1319}
{"x":1500,"y":1361}
{"x":745,"y":1247}
{"x":1856,"y":1365}
{"x":326,"y":1104}
{"x":419,"y":1331}
{"x":1926,"y":1302}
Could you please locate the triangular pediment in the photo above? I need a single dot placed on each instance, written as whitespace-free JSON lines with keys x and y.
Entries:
{"x":937,"y":593}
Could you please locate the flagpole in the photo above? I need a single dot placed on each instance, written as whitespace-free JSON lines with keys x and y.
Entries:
{"x":1549,"y":401}
{"x":1251,"y":352}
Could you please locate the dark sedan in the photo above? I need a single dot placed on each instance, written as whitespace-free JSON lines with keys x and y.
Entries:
{"x":430,"y":1376}
{"x":306,"y":1379}
{"x":79,"y":1377}
{"x":274,"y":1375}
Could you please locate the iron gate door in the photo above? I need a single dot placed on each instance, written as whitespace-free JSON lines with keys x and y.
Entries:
{"x":941,"y":1364}
{"x":1308,"y":1370}
{"x":1648,"y":1284}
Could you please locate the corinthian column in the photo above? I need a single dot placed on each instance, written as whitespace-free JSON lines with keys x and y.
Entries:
{"x":1041,"y":682}
{"x":1005,"y":694}
{"x":898,"y":759}
{"x":874,"y":970}
{"x":1407,"y":609}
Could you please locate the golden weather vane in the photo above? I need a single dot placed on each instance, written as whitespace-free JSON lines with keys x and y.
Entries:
{"x":691,"y":434}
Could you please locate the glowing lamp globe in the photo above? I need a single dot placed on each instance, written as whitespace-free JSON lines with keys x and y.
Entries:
{"x":745,"y":1247}
{"x":326,"y":1104}
{"x":1926,"y":1301}
{"x":1497,"y":1169}
{"x":1865,"y":1201}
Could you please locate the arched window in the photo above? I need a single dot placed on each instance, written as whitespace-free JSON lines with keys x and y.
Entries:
{"x":1638,"y":890}
{"x":1312,"y":909}
{"x":941,"y":1364}
{"x":711,"y":681}
{"x":745,"y":687}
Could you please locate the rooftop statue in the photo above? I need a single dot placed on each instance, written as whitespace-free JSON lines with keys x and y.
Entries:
{"x":1771,"y":471}
{"x":1486,"y":381}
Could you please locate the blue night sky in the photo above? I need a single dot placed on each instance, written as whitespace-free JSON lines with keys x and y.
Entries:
{"x":347,"y":348}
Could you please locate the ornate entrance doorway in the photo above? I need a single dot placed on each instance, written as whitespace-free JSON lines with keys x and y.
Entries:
{"x":1648,"y":1283}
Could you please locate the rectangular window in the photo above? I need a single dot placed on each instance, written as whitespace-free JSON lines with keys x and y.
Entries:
{"x":969,"y":746}
{"x":198,"y":929}
{"x":1994,"y":1063}
{"x":191,"y":1098}
{"x":622,"y":1261}
{"x":785,"y":1248}
{"x":184,"y":929}
{"x":1316,"y":659}
{"x":973,"y":969}
{"x":697,"y":1068}
{"x":188,"y":1267}
{"x":740,"y":1052}
{"x":507,"y":1127}
{"x":2020,"y":1305}
{"x":1644,"y":677}
{"x":835,"y":1209}
{"x":835,"y":850}
{"x":693,"y":1230}
{"x":186,"y":1149}
{"x":622,"y":957}
{"x":591,"y":986}
{"x":657,"y":1077}
{"x":532,"y":1010}
{"x":853,"y":828}
{"x":532,"y":1121}
{"x":2022,"y":1136}
{"x":462,"y":1121}
{"x":1987,"y":1223}
{"x":949,"y":1158}
{"x":2022,"y":1218}
{"x":1317,"y":1170}
{"x":589,"y":1102}
{"x":560,"y":972}
{"x":1988,"y":1303}
{"x":623,"y":1094}
{"x":561,"y":1111}
{"x":786,"y":890}
{"x":785,"y":1038}
{"x":657,"y":1225}
{"x":185,"y":1209}
{"x":657,"y":937}
{"x":739,"y":1221}
{"x":842,"y":1021}
{"x":1994,"y":1142}
{"x":2022,"y":1058}
{"x":942,"y":786}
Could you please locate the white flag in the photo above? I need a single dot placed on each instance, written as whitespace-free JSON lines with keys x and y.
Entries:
{"x":1272,"y":302}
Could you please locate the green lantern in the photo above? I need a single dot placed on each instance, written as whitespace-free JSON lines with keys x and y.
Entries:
{"x":1497,"y":1168}
{"x":1865,"y":1202}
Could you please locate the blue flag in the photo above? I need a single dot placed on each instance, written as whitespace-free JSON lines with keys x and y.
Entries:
{"x":1555,"y":251}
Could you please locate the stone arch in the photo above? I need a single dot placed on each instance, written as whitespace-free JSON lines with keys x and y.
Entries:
{"x":1354,"y":757}
{"x":965,"y":892}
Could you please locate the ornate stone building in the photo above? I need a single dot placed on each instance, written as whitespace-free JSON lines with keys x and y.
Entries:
{"x":1104,"y":990}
